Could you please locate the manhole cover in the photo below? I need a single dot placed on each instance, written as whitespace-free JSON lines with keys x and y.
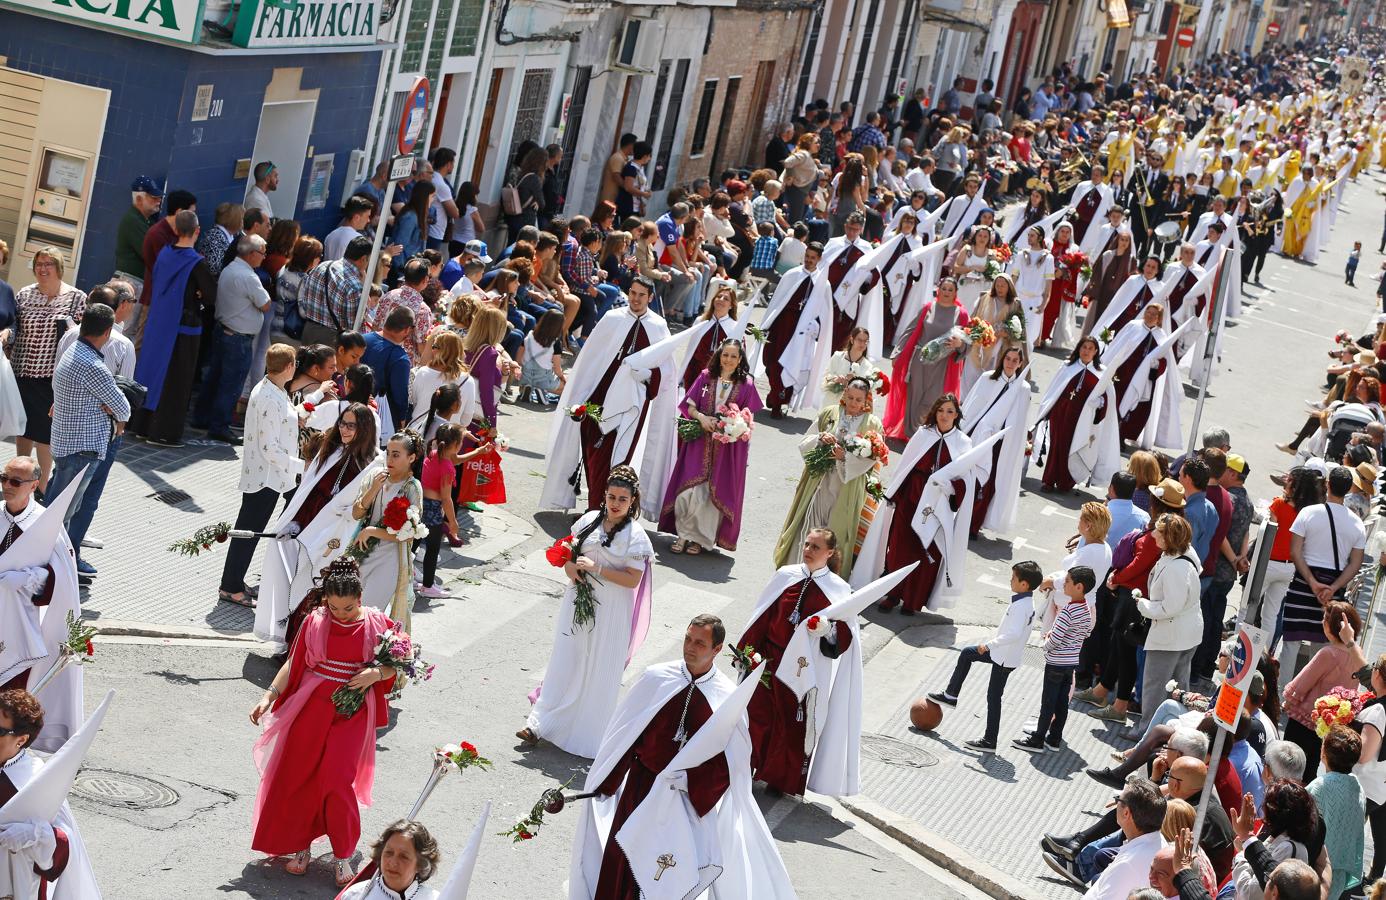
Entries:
{"x":122,"y":790}
{"x":172,"y":497}
{"x":895,"y":752}
{"x":530,"y":584}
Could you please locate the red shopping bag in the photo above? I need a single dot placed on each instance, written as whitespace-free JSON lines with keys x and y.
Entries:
{"x":482,"y":480}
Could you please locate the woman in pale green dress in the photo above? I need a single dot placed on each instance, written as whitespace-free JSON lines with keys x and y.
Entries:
{"x":834,"y":499}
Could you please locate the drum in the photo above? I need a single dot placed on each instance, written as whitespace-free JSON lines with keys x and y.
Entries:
{"x":1166,"y":233}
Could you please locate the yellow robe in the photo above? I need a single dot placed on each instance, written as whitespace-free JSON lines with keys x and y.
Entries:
{"x":1299,"y":218}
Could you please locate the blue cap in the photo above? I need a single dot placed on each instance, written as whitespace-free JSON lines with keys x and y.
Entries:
{"x":478,"y":249}
{"x":146,"y":185}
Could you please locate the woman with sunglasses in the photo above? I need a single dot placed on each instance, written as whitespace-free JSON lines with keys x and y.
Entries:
{"x":316,"y":512}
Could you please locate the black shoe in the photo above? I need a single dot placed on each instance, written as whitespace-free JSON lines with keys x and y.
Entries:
{"x":1060,"y":846}
{"x":1065,"y":869}
{"x":1106,"y":776}
{"x":1055,"y":744}
{"x":1031,"y":743}
{"x":943,"y":699}
{"x":981,"y":745}
{"x":159,"y":442}
{"x":226,"y":438}
{"x":85,"y":579}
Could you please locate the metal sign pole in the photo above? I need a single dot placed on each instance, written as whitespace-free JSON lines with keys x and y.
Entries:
{"x":368,"y":279}
{"x":1208,"y":790}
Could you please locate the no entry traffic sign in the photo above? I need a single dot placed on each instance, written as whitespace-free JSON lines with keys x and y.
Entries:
{"x":1184,"y":37}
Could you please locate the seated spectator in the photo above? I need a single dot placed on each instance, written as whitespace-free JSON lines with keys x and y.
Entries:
{"x":1140,"y":813}
{"x":614,"y":257}
{"x":408,"y":294}
{"x":792,"y":249}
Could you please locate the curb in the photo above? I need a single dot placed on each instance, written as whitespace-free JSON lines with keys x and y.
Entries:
{"x":123,"y":628}
{"x":936,"y":849}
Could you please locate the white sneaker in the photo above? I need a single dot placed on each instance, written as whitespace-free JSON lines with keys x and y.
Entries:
{"x":418,"y":574}
{"x":433,"y":592}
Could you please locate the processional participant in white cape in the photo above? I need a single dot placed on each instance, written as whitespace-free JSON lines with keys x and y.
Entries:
{"x":955,"y":217}
{"x":790,"y":627}
{"x":1107,"y":233}
{"x":1217,"y":212}
{"x":927,"y":514}
{"x":607,"y":407}
{"x":38,"y":594}
{"x":999,"y":402}
{"x":42,"y":856}
{"x":719,"y":322}
{"x":1177,"y":291}
{"x":840,"y":255}
{"x":1089,"y":205}
{"x":1077,"y":423}
{"x":1141,"y":362}
{"x":316,"y":524}
{"x":603,"y":619}
{"x":791,"y":356}
{"x":673,"y":811}
{"x":405,"y":856}
{"x":883,"y":278}
{"x":1035,"y":211}
{"x":1130,"y":301}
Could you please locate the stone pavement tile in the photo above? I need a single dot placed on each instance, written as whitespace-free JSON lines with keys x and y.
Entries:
{"x":993,"y":807}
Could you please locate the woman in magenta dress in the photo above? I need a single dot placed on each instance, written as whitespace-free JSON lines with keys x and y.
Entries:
{"x":702,"y":503}
{"x":929,"y":364}
{"x":317,"y":765}
{"x":1061,"y":407}
{"x":938,"y":442}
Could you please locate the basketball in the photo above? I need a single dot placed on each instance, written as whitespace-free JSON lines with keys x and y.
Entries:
{"x":925,"y":714}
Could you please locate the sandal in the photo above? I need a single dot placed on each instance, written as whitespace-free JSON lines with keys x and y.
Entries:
{"x":694,"y":549}
{"x":528,"y":736}
{"x":242,"y":599}
{"x":678,"y":546}
{"x":298,"y":863}
{"x":344,"y":872}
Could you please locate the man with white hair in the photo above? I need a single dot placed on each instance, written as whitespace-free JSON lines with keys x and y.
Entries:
{"x":242,"y":304}
{"x":145,"y":199}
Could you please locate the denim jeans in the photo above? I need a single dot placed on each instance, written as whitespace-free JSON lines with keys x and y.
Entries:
{"x":608,"y":295}
{"x":995,"y":689}
{"x":1095,"y":857}
{"x":78,"y":467}
{"x":1058,"y":681}
{"x":1213,"y":600}
{"x":80,"y":521}
{"x":225,"y":375}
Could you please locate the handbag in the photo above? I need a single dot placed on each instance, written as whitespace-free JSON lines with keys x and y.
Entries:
{"x":1138,"y":629}
{"x":510,"y":200}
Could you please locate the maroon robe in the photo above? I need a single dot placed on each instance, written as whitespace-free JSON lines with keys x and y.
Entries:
{"x":1133,"y":423}
{"x":781,"y":333}
{"x":986,"y":492}
{"x":904,"y":546}
{"x":596,"y":446}
{"x":1138,"y":304}
{"x":1175,"y":300}
{"x":778,"y":719}
{"x":1082,"y":216}
{"x":41,"y":598}
{"x":702,"y":353}
{"x":892,"y":319}
{"x":1063,"y":419}
{"x":837,"y":271}
{"x":60,"y":852}
{"x":647,"y":757}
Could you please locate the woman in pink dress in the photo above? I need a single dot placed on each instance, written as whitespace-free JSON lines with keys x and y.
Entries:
{"x":929,"y":364}
{"x":316,"y":764}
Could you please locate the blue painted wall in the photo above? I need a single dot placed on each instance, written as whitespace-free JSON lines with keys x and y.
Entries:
{"x":148,"y":127}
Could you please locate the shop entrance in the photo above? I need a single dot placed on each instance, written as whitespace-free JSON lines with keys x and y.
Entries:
{"x":283,"y":140}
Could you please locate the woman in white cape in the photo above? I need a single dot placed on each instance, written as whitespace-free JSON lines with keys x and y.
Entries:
{"x":1077,"y":422}
{"x":1148,"y":410}
{"x":316,"y":525}
{"x":883,"y":277}
{"x":612,"y":553}
{"x":802,"y":357}
{"x":999,"y":402}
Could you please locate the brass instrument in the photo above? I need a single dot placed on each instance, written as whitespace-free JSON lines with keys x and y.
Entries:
{"x":1068,"y":176}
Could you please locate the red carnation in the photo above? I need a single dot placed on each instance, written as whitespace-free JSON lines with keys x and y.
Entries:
{"x":812,"y":623}
{"x":396,"y":513}
{"x":90,"y":649}
{"x":525,"y":835}
{"x":221,"y":537}
{"x":882,"y":384}
{"x":308,"y":407}
{"x":468,"y":748}
{"x":561,"y":553}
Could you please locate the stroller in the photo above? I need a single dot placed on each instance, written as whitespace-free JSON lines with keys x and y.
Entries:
{"x":1343,"y":422}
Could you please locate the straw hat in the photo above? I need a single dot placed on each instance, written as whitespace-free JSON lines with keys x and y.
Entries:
{"x":1170,"y":493}
{"x":1364,"y":477}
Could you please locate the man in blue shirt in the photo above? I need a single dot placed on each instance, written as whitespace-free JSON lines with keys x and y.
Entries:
{"x":1126,"y":516}
{"x":1198,"y":509}
{"x":386,"y":356}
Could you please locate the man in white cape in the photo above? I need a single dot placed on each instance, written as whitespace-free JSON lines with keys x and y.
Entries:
{"x":934,"y":520}
{"x":1217,"y":212}
{"x":41,"y":850}
{"x":840,"y":255}
{"x":959,"y":214}
{"x":1094,"y":446}
{"x":882,"y":278}
{"x":1179,"y":288}
{"x":632,"y":404}
{"x":792,"y":358}
{"x":693,"y":823}
{"x":1136,"y":292}
{"x":1142,"y":355}
{"x":1089,"y":205}
{"x":38,"y":594}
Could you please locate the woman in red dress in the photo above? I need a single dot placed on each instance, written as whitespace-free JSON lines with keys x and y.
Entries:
{"x":317,"y":765}
{"x":1065,"y":288}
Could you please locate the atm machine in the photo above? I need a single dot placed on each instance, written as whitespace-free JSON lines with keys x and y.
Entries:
{"x":57,"y":209}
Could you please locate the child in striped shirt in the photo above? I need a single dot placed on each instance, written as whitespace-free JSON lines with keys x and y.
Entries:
{"x":1061,"y":648}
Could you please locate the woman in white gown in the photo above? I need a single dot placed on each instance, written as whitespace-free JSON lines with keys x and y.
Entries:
{"x":1033,"y":269}
{"x":967,"y":265}
{"x":612,"y":553}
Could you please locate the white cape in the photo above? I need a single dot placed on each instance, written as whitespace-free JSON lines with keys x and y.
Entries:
{"x":805,"y":358}
{"x":1095,"y":448}
{"x":31,"y":636}
{"x":621,"y":409}
{"x":871,"y":309}
{"x":1124,"y":298}
{"x":1162,"y":428}
{"x":733,"y":844}
{"x":653,"y":457}
{"x":1088,"y":239}
{"x":996,"y":404}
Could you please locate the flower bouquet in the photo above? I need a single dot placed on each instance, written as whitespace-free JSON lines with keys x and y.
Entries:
{"x":77,"y":648}
{"x":862,"y":368}
{"x":1015,"y":328}
{"x":1106,"y":336}
{"x":1339,"y":706}
{"x":585,"y":598}
{"x":1077,"y":263}
{"x":874,"y":488}
{"x":460,"y":756}
{"x":305,"y":410}
{"x":863,"y":446}
{"x":202,"y":539}
{"x":584,"y":411}
{"x":746,"y":659}
{"x":992,"y":269}
{"x":1343,"y":338}
{"x":981,"y":333}
{"x":402,"y":521}
{"x":733,"y":424}
{"x":689,"y":430}
{"x":935,"y":349}
{"x":394,"y":650}
{"x":1002,"y":252}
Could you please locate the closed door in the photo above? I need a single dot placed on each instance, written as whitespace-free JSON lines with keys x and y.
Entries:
{"x":283,"y":140}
